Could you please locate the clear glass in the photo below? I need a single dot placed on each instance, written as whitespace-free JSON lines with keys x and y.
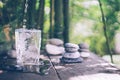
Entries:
{"x":28,"y":43}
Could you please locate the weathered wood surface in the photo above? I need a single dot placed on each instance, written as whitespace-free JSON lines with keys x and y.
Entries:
{"x":28,"y":76}
{"x":93,"y":68}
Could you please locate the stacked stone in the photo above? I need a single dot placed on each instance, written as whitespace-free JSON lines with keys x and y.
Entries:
{"x":71,"y":54}
{"x":84,"y":50}
{"x":55,"y":46}
{"x":9,"y":61}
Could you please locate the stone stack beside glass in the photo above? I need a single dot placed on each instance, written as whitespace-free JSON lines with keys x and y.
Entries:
{"x":84,"y":50}
{"x":9,"y":61}
{"x":71,"y":54}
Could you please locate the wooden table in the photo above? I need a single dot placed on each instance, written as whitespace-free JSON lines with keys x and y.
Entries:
{"x":92,"y":68}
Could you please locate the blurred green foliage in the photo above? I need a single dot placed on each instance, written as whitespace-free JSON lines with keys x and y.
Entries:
{"x":86,"y":13}
{"x":90,"y":11}
{"x":1,"y":4}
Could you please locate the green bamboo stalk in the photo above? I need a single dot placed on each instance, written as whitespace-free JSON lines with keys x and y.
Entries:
{"x":105,"y":30}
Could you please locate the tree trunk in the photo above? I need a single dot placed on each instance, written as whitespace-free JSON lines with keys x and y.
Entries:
{"x":66,"y":20}
{"x":31,"y":13}
{"x":58,"y":27}
{"x":51,"y":18}
{"x":40,"y":21}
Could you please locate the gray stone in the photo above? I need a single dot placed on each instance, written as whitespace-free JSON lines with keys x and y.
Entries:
{"x":71,"y":60}
{"x":12,"y":53}
{"x":71,"y":50}
{"x":84,"y":50}
{"x":54,"y":50}
{"x":85,"y":54}
{"x":71,"y":45}
{"x":55,"y":41}
{"x":71,"y":55}
{"x":1,"y":71}
{"x":83,"y":46}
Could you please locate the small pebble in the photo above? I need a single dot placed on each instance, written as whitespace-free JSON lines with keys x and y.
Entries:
{"x":1,"y":71}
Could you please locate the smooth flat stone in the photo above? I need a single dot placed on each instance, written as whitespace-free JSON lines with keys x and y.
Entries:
{"x":71,"y":45}
{"x":71,"y":55}
{"x":71,"y":60}
{"x":83,"y":46}
{"x":55,"y":41}
{"x":71,"y":50}
{"x":54,"y":50}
